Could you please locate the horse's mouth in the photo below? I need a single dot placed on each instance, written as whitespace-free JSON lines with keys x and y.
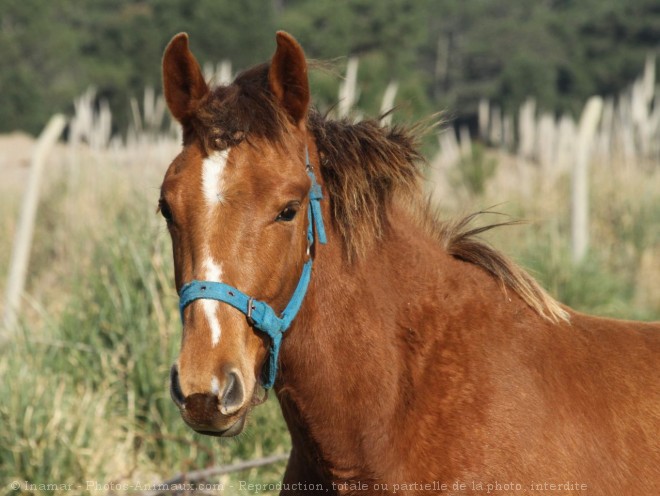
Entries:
{"x":211,"y":422}
{"x":237,"y":427}
{"x":233,"y":430}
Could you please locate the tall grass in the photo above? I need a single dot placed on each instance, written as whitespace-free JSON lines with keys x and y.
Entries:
{"x":619,"y":277}
{"x":86,"y":378}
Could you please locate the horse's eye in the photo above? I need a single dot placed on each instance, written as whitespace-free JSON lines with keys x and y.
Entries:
{"x":165,"y":210}
{"x":289,"y":212}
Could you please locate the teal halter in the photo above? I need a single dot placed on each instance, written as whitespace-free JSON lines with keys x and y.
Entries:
{"x":259,"y":314}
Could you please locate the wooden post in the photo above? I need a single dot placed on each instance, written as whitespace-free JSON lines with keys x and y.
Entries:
{"x":388,"y":103}
{"x":348,"y":89}
{"x":23,"y":240}
{"x":465,"y":143}
{"x":484,"y":119}
{"x":496,"y":131}
{"x":527,"y":130}
{"x":580,"y":183}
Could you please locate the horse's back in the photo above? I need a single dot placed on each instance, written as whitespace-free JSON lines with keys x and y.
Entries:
{"x":520,"y":398}
{"x":579,"y":402}
{"x":492,"y":391}
{"x":601,"y":382}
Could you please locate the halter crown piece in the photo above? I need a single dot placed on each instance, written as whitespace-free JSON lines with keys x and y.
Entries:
{"x":259,"y":314}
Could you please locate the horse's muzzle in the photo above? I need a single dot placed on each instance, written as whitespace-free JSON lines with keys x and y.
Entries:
{"x":210,"y":413}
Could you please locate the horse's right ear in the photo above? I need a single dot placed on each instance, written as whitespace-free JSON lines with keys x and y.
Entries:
{"x":183,"y":81}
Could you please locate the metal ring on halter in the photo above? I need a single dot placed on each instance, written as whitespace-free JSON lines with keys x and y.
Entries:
{"x":249,"y":312}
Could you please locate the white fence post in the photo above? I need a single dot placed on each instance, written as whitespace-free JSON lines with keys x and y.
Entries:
{"x":527,"y":129}
{"x":388,"y":103}
{"x":23,"y":240}
{"x":580,"y":180}
{"x":348,"y":91}
{"x":484,"y":119}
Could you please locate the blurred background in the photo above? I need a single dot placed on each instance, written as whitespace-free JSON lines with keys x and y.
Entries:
{"x":550,"y":111}
{"x":443,"y":54}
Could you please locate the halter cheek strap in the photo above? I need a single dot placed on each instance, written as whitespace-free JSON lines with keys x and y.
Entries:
{"x":260,"y":315}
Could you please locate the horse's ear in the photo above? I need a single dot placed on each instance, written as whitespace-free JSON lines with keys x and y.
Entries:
{"x":287,"y":77}
{"x":183,"y":81}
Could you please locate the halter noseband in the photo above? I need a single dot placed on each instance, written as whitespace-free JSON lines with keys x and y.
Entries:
{"x":259,"y":314}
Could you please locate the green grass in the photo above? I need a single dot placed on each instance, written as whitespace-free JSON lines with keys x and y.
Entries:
{"x":86,"y":375}
{"x":474,"y":171}
{"x":85,"y":379}
{"x":618,"y":277}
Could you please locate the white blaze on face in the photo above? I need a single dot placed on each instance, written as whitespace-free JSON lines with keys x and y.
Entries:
{"x":212,"y":272}
{"x":213,"y":168}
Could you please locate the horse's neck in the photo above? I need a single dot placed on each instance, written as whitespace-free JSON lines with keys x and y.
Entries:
{"x":357,"y":351}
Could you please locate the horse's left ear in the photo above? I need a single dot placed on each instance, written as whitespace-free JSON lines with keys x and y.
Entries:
{"x":287,"y":77}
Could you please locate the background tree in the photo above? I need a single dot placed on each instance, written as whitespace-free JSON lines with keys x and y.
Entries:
{"x":445,"y":55}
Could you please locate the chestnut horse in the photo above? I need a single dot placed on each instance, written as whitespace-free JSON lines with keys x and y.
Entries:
{"x":411,"y":358}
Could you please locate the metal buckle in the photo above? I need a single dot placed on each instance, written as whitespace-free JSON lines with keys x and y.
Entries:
{"x":249,"y":312}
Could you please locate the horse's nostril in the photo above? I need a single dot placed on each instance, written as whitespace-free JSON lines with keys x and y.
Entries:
{"x":175,"y":388}
{"x":233,"y":396}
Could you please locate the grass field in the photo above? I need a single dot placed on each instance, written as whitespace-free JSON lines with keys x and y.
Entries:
{"x":85,"y":378}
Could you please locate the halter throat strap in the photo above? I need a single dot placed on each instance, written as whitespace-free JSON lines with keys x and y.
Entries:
{"x":259,"y":314}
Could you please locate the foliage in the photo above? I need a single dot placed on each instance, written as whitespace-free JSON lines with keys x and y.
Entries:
{"x":444,"y":54}
{"x":474,"y":171}
{"x":618,"y":278}
{"x":86,"y":377}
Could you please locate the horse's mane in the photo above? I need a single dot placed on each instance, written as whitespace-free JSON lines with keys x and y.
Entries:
{"x":365,"y":167}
